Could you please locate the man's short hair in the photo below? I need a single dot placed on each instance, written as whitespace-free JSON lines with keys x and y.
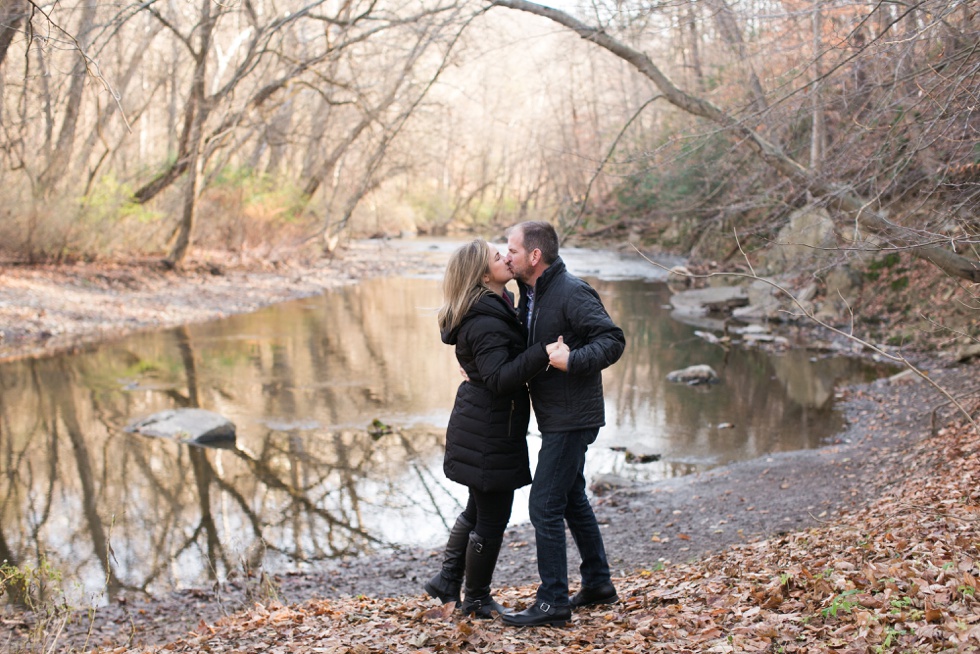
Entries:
{"x":542,"y":236}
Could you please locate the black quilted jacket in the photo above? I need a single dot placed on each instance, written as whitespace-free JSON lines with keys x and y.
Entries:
{"x":486,"y":440}
{"x":564,"y":305}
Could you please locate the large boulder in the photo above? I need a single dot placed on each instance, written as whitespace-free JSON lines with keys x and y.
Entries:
{"x":187,"y":425}
{"x":811,"y":242}
{"x":806,"y":241}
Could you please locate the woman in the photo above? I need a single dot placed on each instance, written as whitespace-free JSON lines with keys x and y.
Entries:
{"x":486,"y":446}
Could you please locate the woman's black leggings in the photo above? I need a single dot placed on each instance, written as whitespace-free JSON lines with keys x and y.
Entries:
{"x":489,"y":511}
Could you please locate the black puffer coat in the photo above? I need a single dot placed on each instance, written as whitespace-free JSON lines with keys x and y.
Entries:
{"x":566,"y":306}
{"x":486,"y":440}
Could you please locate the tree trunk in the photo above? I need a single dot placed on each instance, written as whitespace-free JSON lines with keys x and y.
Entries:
{"x":692,"y":30}
{"x":61,"y":155}
{"x":731,"y":33}
{"x":195,"y":163}
{"x":12,"y":15}
{"x":276,"y":135}
{"x":838,"y":196}
{"x":818,"y":131}
{"x":197,"y":114}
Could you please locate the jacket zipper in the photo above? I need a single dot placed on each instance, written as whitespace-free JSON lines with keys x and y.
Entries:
{"x":534,"y":323}
{"x":510,"y":420}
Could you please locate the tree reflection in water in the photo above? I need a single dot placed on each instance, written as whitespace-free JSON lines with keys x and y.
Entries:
{"x":126,"y":511}
{"x":306,"y":481}
{"x":115,"y":510}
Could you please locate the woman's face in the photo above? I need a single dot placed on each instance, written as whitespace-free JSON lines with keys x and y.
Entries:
{"x":497,"y":270}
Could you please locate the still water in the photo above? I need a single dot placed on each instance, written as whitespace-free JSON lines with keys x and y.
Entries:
{"x":309,"y":478}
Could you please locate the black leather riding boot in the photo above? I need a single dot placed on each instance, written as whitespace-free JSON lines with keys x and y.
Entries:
{"x":446,"y":584}
{"x":481,"y":560}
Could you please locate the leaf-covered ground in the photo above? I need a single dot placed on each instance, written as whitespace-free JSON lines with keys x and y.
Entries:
{"x":900,"y":574}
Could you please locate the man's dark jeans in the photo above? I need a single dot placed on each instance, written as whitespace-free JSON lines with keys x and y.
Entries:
{"x":558,"y":497}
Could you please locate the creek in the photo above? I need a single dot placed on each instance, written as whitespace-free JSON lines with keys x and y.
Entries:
{"x":340,"y":402}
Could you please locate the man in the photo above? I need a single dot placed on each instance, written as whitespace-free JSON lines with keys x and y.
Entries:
{"x":569,"y":409}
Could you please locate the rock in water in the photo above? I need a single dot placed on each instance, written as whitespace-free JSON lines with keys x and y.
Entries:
{"x":719,"y":299}
{"x":189,"y":425}
{"x":694,"y":375}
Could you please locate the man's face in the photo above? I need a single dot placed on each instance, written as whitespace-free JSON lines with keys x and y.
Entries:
{"x":518,"y":259}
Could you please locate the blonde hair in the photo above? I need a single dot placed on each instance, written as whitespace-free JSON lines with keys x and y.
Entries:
{"x":463,"y":284}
